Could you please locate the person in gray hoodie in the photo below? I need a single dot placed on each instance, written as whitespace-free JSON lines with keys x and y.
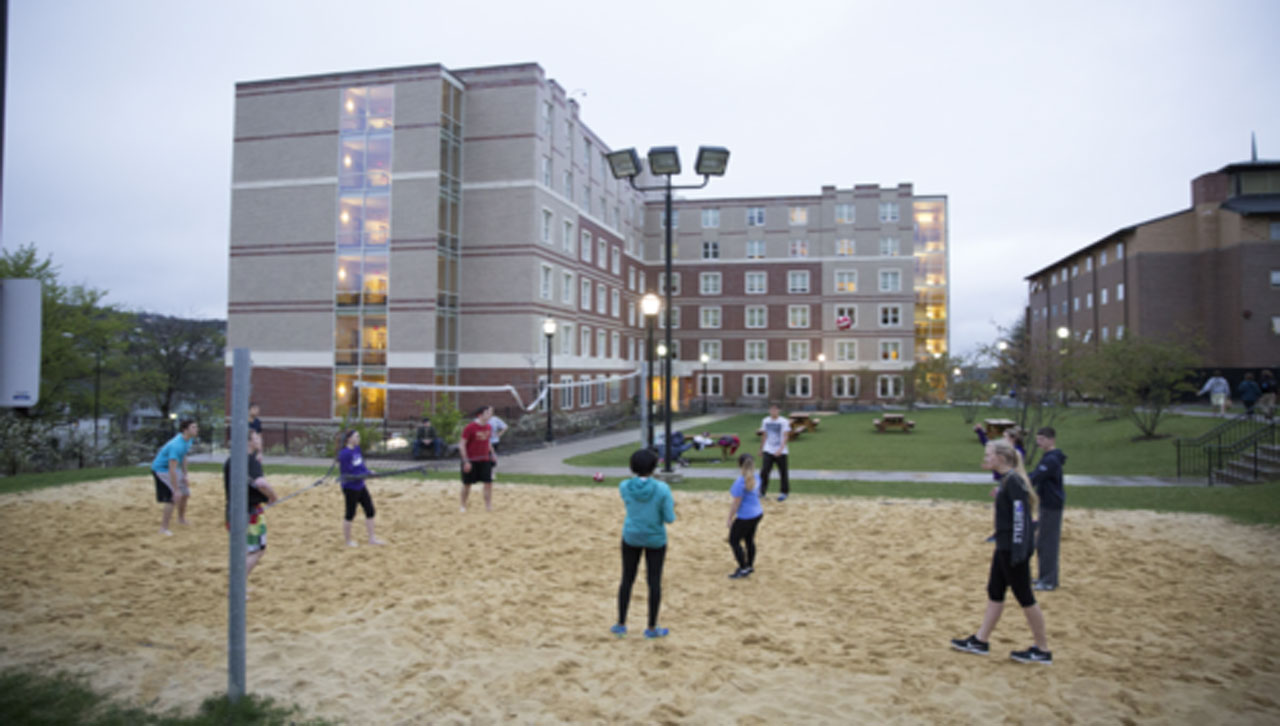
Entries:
{"x":649,"y":509}
{"x":1047,"y":480}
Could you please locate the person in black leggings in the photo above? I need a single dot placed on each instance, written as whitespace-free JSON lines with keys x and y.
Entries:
{"x":744,"y":517}
{"x":649,"y":509}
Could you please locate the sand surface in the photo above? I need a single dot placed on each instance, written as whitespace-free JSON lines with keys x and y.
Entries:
{"x":503,"y":617}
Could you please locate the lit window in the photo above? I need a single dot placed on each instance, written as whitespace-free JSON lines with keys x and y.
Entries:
{"x":845,"y":248}
{"x":844,"y":214}
{"x":890,"y":350}
{"x":798,"y":248}
{"x":846,"y":280}
{"x":798,"y":216}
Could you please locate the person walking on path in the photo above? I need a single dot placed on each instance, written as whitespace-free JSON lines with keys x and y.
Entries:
{"x":744,"y":516}
{"x":1047,"y":480}
{"x":478,"y":457}
{"x":1249,"y":392}
{"x":1010,"y":562}
{"x":260,"y":493}
{"x":169,"y":470}
{"x":1218,"y":390}
{"x":1267,"y":384}
{"x":649,"y":509}
{"x":773,"y":450}
{"x":354,"y":492}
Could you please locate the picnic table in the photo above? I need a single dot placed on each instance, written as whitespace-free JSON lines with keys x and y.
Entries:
{"x":995,"y":426}
{"x":801,"y":422}
{"x":896,"y":421}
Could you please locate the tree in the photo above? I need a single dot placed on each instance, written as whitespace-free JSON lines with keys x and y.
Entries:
{"x":180,"y":360}
{"x":1142,"y":377}
{"x":929,"y":379}
{"x":1030,"y":374}
{"x":968,"y":391}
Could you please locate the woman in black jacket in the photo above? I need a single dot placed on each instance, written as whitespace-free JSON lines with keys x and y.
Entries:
{"x":1011,"y":561}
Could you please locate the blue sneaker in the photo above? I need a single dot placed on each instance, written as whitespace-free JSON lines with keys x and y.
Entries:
{"x":656,"y":633}
{"x":782,"y":497}
{"x":619,"y":631}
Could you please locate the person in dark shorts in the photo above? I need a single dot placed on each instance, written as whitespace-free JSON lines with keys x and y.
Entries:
{"x":169,"y":470}
{"x":649,"y":509}
{"x":260,"y":493}
{"x":354,"y":491}
{"x":1011,"y":560}
{"x":477,"y":457}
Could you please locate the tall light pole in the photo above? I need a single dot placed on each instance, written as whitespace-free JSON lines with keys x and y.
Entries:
{"x":706,"y":387}
{"x":822,"y":382}
{"x":1063,"y":334}
{"x":649,"y":306}
{"x":665,"y":161}
{"x":549,"y":329}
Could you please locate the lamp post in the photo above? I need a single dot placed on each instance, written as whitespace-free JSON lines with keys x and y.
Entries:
{"x":649,"y":306}
{"x":549,"y":329}
{"x":665,"y":161}
{"x":661,"y":352}
{"x":822,"y":382}
{"x":1063,"y":333}
{"x":706,"y":387}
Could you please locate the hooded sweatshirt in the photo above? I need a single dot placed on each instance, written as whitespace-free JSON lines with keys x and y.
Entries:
{"x":1047,"y":480}
{"x":1013,"y":519}
{"x":649,"y":506}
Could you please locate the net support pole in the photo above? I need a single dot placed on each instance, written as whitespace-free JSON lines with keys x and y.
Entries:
{"x":237,"y":505}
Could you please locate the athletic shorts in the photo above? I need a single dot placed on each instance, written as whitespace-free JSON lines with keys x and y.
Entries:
{"x":255,"y":532}
{"x":164,"y":489}
{"x":1217,"y":399}
{"x":481,"y":472}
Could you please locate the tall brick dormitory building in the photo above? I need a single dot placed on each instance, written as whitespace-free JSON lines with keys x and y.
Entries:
{"x":419,"y":224}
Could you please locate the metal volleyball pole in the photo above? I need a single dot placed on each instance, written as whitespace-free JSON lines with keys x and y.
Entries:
{"x":238,"y":504}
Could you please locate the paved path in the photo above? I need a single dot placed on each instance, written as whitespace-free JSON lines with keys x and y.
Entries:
{"x":549,"y":460}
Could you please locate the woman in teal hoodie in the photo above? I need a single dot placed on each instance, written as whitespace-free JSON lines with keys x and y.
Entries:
{"x":649,"y":509}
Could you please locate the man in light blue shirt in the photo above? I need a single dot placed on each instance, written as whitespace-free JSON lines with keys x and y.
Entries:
{"x":170,"y":473}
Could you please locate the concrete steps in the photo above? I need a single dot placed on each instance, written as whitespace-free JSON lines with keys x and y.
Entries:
{"x":1241,"y":470}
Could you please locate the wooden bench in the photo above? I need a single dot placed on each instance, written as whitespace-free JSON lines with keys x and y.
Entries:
{"x":995,"y":427}
{"x":891,"y":421}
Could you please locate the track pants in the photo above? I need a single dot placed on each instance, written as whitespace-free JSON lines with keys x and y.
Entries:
{"x":653,"y":558}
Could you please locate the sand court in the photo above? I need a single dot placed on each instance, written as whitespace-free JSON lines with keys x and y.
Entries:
{"x":503,"y":617}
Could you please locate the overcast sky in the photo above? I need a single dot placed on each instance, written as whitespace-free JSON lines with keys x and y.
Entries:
{"x":1047,"y":125}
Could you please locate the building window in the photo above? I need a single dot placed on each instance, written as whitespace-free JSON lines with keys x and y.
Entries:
{"x":1119,"y":332}
{"x":662,"y":283}
{"x":710,"y":384}
{"x":1275,"y":278}
{"x":615,"y":302}
{"x":615,"y":261}
{"x":709,"y":283}
{"x":566,"y":239}
{"x":889,"y":386}
{"x":847,"y":311}
{"x":755,"y":385}
{"x":585,"y":297}
{"x":846,"y":280}
{"x":584,"y":391}
{"x":1102,"y":258}
{"x":755,"y":249}
{"x":846,"y":350}
{"x":1053,"y":279}
{"x":542,"y":385}
{"x":757,"y":316}
{"x":844,"y":214}
{"x":602,"y":253}
{"x":797,"y":316}
{"x":548,"y":220}
{"x":756,"y":351}
{"x":844,"y":386}
{"x":710,"y":250}
{"x":602,"y":299}
{"x":710,"y":348}
{"x":631,"y":279}
{"x":640,"y":282}
{"x":710,"y":218}
{"x":546,"y":171}
{"x":1102,"y":296}
{"x":888,"y":211}
{"x":798,"y":216}
{"x":797,"y":350}
{"x":1088,"y":264}
{"x":1119,"y":292}
{"x":566,"y":392}
{"x":890,"y":316}
{"x":755,"y":216}
{"x":1075,"y":270}
{"x":631,"y":314}
{"x":890,"y":281}
{"x":845,"y":248}
{"x":675,"y":218}
{"x":584,"y":342}
{"x":567,"y":180}
{"x":709,"y":317}
{"x":586,"y":198}
{"x":888,"y":246}
{"x":586,"y":246}
{"x":799,"y":386}
{"x":601,"y":340}
{"x":890,"y":349}
{"x":675,"y":316}
{"x":1075,"y":304}
{"x":566,"y":288}
{"x":1119,"y":256}
{"x":756,"y":283}
{"x":1088,"y":300}
{"x":1106,"y":334}
{"x":566,"y":339}
{"x":797,"y":281}
{"x":545,"y":281}
{"x":546,"y":119}
{"x":798,"y":248}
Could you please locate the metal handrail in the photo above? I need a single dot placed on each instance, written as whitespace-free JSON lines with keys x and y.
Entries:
{"x":1193,"y":454}
{"x":1219,"y":455}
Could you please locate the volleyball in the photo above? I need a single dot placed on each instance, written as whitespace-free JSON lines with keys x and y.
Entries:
{"x":598,"y":476}
{"x":844,"y":322}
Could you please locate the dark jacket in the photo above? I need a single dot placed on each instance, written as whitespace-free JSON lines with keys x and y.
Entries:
{"x":1013,"y":519}
{"x":1248,"y":392}
{"x":255,"y":497}
{"x":1047,"y":479}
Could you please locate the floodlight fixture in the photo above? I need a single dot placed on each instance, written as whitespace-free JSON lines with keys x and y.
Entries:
{"x":712,"y":160}
{"x":664,"y":160}
{"x":624,"y":164}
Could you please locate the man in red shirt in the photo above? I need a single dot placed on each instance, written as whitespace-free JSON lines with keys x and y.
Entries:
{"x":477,"y":457}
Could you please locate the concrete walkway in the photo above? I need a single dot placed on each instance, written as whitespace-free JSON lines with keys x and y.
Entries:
{"x":549,"y":460}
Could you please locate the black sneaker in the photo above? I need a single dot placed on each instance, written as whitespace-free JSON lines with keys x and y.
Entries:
{"x":1033,"y":655}
{"x":738,"y":574}
{"x":971,"y":644}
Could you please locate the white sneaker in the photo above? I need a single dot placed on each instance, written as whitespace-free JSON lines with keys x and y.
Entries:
{"x":462,"y":509}
{"x":352,"y":543}
{"x":166,"y":533}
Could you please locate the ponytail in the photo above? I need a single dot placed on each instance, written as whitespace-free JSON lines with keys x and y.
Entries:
{"x":747,"y":465}
{"x":1006,"y":451}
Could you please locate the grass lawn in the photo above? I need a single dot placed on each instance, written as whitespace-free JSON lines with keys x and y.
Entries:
{"x":942,"y":441}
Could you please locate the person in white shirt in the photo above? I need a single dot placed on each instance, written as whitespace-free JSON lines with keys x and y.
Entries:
{"x":776,"y":432}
